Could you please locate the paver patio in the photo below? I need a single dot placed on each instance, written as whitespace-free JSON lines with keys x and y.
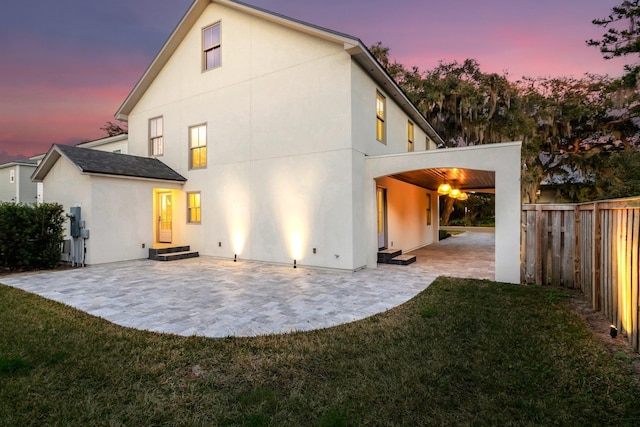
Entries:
{"x":217,"y":298}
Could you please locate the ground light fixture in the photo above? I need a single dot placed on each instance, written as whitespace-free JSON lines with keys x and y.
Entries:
{"x":235,"y":257}
{"x":295,"y":264}
{"x":613,"y":331}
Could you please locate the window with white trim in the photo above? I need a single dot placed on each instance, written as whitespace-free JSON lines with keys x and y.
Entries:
{"x":193,"y":207}
{"x":410,"y":136}
{"x":12,"y":176}
{"x":198,"y":147}
{"x":211,"y":47}
{"x":381,"y":131}
{"x":156,"y":140}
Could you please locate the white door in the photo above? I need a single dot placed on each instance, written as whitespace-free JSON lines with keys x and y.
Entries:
{"x":165,"y":217}
{"x":382,"y":217}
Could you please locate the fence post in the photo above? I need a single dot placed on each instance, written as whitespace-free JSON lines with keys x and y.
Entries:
{"x":597,"y":253}
{"x":577,"y":282}
{"x":538,"y":255}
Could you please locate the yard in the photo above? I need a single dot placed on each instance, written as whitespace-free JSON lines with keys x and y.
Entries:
{"x":467,"y":352}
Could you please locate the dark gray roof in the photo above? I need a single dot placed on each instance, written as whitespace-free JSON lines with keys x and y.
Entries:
{"x":106,"y":163}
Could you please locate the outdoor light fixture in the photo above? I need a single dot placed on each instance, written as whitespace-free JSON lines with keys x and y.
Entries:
{"x":295,"y":265}
{"x":445,"y":187}
{"x":235,"y":257}
{"x":451,"y":190}
{"x":613,"y":331}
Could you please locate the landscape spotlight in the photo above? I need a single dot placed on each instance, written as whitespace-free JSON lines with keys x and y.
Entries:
{"x":613,"y":331}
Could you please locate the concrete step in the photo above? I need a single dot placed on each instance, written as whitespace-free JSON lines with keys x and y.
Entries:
{"x":172,"y":253}
{"x":385,"y":255}
{"x":174,"y":256}
{"x":402,"y":260}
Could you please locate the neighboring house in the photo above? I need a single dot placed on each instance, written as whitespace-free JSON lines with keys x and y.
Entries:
{"x":115,"y":144}
{"x":288,"y":142}
{"x":15,"y":182}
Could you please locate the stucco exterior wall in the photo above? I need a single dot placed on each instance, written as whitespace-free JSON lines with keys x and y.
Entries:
{"x":279,"y":177}
{"x":69,"y":188}
{"x":407,"y":205}
{"x":363,"y":110}
{"x":8,"y":189}
{"x":27,"y":190}
{"x":118,"y":237}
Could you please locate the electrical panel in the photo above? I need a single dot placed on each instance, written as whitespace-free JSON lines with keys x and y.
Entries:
{"x":74,"y":228}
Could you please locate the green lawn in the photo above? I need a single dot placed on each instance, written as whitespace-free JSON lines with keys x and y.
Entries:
{"x":464,"y":352}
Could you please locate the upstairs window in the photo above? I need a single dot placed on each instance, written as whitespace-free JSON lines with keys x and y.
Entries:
{"x":12,"y":176}
{"x":193,"y":208}
{"x":211,"y":48}
{"x":198,"y":147}
{"x":380,"y":118}
{"x":156,"y":142}
{"x":410,"y":136}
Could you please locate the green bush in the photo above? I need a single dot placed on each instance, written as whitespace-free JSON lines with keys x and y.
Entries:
{"x":30,"y":235}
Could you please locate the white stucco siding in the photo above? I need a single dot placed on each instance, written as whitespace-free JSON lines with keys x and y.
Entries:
{"x":65,"y":185}
{"x":225,"y":211}
{"x":279,"y":159}
{"x":363,"y":110}
{"x":121,"y":219}
{"x":407,"y":227}
{"x":263,"y":67}
{"x":300,"y":203}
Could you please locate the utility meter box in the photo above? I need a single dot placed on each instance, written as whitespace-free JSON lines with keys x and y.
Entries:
{"x":84,"y":233}
{"x":74,"y":227}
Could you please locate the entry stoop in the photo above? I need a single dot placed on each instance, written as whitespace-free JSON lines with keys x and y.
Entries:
{"x":394,"y":256}
{"x":172,"y":253}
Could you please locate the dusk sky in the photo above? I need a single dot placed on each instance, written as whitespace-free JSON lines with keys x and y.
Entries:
{"x":67,"y":65}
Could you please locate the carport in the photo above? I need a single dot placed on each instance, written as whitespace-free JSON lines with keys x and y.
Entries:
{"x":484,"y":166}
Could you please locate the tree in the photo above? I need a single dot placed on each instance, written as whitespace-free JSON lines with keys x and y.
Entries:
{"x":620,"y":40}
{"x":113,"y":129}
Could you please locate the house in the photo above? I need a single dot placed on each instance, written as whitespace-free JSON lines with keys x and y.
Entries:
{"x":114,"y":144}
{"x":294,"y":144}
{"x":15,"y":181}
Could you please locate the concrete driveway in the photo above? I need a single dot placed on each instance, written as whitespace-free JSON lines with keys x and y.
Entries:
{"x":218,"y":298}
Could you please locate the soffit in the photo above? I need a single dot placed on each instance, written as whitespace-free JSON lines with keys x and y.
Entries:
{"x":465,"y":179}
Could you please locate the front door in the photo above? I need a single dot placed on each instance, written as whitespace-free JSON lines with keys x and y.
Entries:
{"x":382,"y":217}
{"x":165,"y":217}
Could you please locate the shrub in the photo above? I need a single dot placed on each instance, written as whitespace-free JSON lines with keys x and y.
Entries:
{"x":30,"y":235}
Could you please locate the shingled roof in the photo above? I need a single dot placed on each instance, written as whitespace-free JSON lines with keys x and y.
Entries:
{"x":94,"y":162}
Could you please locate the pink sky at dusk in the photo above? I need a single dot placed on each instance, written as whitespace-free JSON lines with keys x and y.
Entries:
{"x":66,"y":73}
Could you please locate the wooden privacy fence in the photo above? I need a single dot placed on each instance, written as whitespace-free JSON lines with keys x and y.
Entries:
{"x":590,"y":246}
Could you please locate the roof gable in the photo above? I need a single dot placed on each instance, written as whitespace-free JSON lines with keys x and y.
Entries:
{"x":352,"y":45}
{"x":94,"y":162}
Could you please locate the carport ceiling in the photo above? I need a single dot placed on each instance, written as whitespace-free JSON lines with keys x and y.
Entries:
{"x":465,"y":179}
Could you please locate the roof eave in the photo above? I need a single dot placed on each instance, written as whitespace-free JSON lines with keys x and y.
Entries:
{"x":136,"y":178}
{"x":176,"y":37}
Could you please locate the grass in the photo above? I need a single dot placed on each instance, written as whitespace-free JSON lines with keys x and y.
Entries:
{"x":463,"y":352}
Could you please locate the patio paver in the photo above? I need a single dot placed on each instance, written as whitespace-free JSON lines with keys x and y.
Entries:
{"x":217,"y":298}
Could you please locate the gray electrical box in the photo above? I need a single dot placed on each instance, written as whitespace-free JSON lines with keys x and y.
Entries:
{"x":74,"y":227}
{"x":84,"y":233}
